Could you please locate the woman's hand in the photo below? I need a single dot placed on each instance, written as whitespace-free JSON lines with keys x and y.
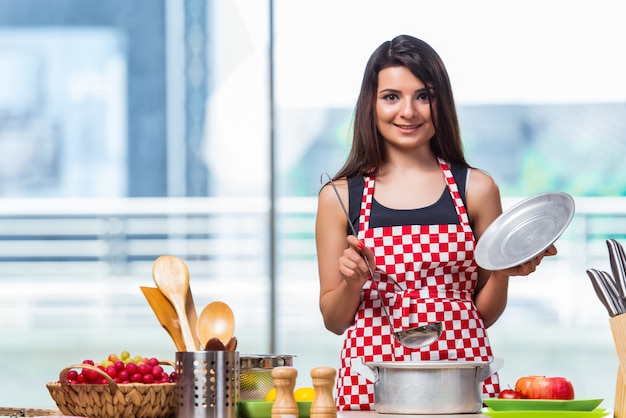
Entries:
{"x":342,"y":269}
{"x":484,"y":206}
{"x":352,"y":265}
{"x":528,"y":267}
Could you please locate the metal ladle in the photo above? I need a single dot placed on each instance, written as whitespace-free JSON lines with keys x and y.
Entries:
{"x":413,"y":337}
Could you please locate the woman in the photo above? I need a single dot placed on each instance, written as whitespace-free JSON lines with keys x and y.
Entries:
{"x":419,"y":209}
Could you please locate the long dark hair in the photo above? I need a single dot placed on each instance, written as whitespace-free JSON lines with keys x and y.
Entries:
{"x":368,"y":152}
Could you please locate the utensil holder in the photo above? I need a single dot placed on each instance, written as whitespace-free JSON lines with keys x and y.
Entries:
{"x":618,"y":328}
{"x":208,"y":384}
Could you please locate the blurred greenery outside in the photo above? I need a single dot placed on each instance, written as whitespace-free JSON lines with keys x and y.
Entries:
{"x":577,"y":149}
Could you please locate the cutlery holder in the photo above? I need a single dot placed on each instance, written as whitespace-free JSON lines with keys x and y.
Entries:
{"x":618,"y":328}
{"x":208,"y":384}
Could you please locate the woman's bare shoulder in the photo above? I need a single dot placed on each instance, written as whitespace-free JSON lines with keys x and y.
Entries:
{"x":327,"y":196}
{"x":483,"y":200}
{"x":482,"y":184}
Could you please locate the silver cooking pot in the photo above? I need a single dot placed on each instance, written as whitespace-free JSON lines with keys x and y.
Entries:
{"x":431,"y":387}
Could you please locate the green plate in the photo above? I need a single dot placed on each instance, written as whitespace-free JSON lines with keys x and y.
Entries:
{"x":596,"y":413}
{"x":541,"y":404}
{"x":263,"y":409}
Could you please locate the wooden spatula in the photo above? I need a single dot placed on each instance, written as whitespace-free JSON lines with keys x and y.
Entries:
{"x":166,"y":314}
{"x":192,"y":316}
{"x":171,"y":276}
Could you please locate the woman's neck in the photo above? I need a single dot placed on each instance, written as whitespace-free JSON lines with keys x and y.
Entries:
{"x":409,"y":184}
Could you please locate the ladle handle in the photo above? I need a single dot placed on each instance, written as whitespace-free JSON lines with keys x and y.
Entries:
{"x":384,"y":307}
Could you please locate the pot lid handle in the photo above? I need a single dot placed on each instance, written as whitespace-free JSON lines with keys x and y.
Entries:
{"x":484,"y":372}
{"x":368,"y":372}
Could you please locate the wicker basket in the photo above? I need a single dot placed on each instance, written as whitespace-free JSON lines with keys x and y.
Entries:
{"x":112,"y":400}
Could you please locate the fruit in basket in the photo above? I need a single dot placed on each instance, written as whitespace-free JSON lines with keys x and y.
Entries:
{"x":123,"y":369}
{"x":112,"y":399}
{"x":544,"y":387}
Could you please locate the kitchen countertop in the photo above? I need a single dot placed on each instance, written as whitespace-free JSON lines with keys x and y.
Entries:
{"x":4,"y":413}
{"x":371,"y":414}
{"x":341,"y":414}
{"x":365,"y":414}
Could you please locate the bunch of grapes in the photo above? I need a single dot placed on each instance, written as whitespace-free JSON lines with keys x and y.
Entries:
{"x":123,"y":369}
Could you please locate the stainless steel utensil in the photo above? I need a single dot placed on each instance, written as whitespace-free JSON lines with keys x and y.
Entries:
{"x":256,"y":379}
{"x":617,"y":258}
{"x":524,"y":231}
{"x":429,"y":387}
{"x":345,"y":211}
{"x":602,"y":291}
{"x":413,"y":337}
{"x":610,"y":284}
{"x":622,"y":265}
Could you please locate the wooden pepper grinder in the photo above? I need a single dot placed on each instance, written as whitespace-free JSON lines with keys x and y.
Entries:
{"x":285,"y":405}
{"x":323,"y":405}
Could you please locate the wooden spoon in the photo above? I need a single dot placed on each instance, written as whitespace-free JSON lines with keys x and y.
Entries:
{"x":214,"y":344}
{"x":216,"y":321}
{"x":232,"y":344}
{"x":171,"y":276}
{"x":166,"y":315}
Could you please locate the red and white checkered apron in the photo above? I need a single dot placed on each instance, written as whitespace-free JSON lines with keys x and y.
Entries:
{"x":434,"y":265}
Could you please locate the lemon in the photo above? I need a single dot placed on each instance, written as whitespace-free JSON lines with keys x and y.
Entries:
{"x":304,"y":394}
{"x":271,"y":395}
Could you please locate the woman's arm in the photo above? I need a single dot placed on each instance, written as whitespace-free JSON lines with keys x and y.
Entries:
{"x":342,"y":270}
{"x":484,"y":206}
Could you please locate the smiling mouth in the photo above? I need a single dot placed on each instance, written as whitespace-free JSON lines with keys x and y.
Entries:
{"x":408,"y":126}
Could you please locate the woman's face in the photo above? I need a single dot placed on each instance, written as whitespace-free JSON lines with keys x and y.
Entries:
{"x":403,"y":108}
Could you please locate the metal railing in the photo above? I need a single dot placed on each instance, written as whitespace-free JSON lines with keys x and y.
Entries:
{"x":52,"y":251}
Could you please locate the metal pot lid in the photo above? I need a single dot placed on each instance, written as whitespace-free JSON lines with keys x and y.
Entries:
{"x":443,"y":364}
{"x":524,"y":231}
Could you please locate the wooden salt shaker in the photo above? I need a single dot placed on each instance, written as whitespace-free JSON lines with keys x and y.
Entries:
{"x":323,"y":405}
{"x":285,"y":405}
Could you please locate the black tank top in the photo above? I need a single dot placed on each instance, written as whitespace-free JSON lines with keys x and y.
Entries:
{"x":441,"y":212}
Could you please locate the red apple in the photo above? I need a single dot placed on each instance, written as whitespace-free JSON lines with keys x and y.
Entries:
{"x":523,"y":384}
{"x":511,"y":394}
{"x":551,"y":388}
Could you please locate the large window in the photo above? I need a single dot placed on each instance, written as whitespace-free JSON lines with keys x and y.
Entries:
{"x":531,"y":79}
{"x":137,"y":128}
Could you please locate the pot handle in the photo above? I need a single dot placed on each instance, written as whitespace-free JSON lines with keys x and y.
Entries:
{"x":484,"y":372}
{"x":370,"y":373}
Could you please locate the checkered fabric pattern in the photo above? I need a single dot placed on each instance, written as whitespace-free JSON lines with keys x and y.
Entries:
{"x":434,"y":264}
